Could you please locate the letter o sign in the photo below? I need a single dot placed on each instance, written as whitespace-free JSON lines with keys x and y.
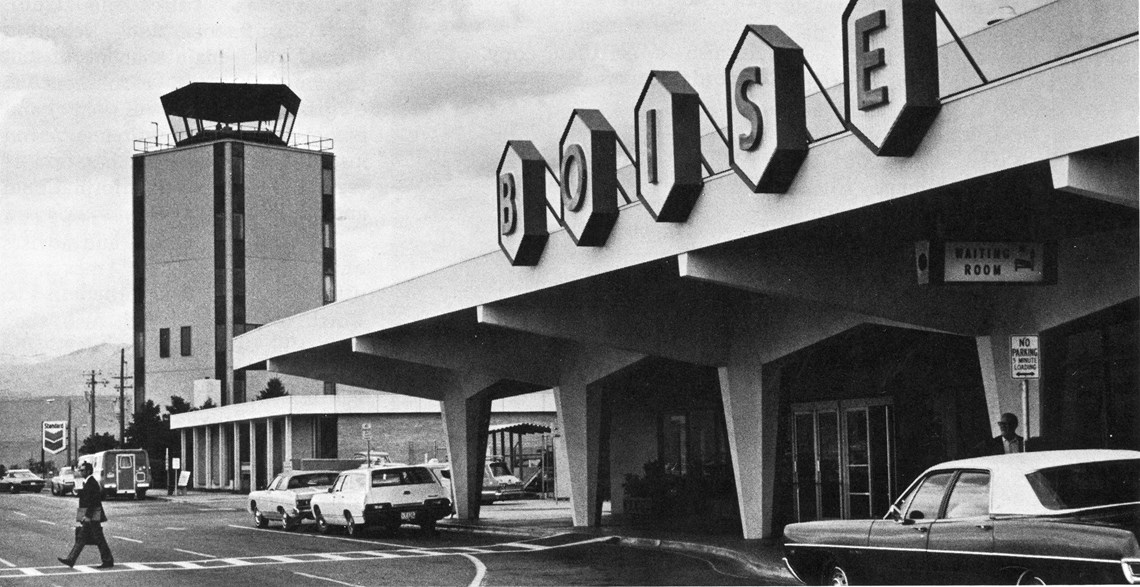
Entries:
{"x":520,"y":203}
{"x":588,"y":174}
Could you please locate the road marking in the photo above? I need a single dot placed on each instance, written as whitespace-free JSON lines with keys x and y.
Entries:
{"x":201,"y":554}
{"x":2,"y":561}
{"x":46,"y":522}
{"x":21,"y":514}
{"x":303,"y":558}
{"x":128,"y":539}
{"x":480,"y":571}
{"x":325,"y":579}
{"x":170,"y":528}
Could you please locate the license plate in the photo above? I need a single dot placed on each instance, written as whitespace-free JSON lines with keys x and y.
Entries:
{"x":407,"y":516}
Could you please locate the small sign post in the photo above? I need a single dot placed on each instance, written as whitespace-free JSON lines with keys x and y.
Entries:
{"x":366,"y":433}
{"x":1025,"y":364}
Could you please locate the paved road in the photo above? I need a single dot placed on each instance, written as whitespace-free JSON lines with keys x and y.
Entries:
{"x":213,"y":542}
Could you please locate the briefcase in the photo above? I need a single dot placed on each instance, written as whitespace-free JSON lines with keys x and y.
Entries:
{"x":94,"y":514}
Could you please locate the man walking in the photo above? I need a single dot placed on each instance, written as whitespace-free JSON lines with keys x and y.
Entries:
{"x":90,"y":516}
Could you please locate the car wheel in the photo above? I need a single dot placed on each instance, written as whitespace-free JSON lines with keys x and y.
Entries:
{"x":259,"y":520}
{"x":290,"y":523}
{"x":322,"y":523}
{"x":1029,"y":578}
{"x":351,"y":527}
{"x":54,"y":490}
{"x":12,"y":489}
{"x":833,"y":574}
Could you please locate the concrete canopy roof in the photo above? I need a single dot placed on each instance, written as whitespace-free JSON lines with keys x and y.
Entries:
{"x":647,"y":270}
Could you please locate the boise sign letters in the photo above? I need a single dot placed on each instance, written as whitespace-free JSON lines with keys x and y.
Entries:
{"x":891,"y":99}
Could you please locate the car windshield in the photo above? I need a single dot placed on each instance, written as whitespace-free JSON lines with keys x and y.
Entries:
{"x":23,"y":475}
{"x":499,"y":469}
{"x":1086,"y":485}
{"x":311,"y":480}
{"x":409,"y":476}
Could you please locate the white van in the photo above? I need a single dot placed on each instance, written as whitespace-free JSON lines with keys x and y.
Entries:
{"x":120,"y":471}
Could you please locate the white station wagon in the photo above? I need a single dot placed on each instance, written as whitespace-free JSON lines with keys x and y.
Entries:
{"x":382,"y":496}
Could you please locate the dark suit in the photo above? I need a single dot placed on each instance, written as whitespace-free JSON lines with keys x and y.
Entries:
{"x":996,"y":446}
{"x":91,"y":531}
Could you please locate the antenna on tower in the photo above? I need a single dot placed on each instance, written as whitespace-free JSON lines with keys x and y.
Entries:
{"x":255,"y":61}
{"x":282,"y":61}
{"x":288,"y":71}
{"x":221,"y":61}
{"x":233,"y":56}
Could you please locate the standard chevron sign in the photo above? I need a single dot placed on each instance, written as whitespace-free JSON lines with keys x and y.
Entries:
{"x":55,"y":437}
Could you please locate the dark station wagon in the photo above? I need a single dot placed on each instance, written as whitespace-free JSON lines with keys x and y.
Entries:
{"x":1033,"y":518}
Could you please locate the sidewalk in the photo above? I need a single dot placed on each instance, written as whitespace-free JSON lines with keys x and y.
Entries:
{"x":541,"y":518}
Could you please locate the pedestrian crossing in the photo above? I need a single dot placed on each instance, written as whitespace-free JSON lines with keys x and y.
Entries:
{"x":302,"y":558}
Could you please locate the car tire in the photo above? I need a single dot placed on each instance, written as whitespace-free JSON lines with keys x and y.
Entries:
{"x":290,"y":523}
{"x":13,"y":490}
{"x":54,"y":490}
{"x":351,"y":528}
{"x":140,"y":494}
{"x":322,"y":523}
{"x":259,"y":520}
{"x":833,"y":573}
{"x":1028,"y":577}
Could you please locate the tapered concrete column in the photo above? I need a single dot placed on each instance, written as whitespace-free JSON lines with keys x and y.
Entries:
{"x":287,"y":462}
{"x":1003,"y":392}
{"x":208,"y":453}
{"x":579,"y":415}
{"x":223,"y":460}
{"x":182,"y":451}
{"x":751,"y":413}
{"x":466,"y":420}
{"x":270,"y":458}
{"x":252,"y":455}
{"x":235,"y":456}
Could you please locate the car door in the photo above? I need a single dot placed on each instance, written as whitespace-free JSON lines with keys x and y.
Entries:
{"x":961,"y":542}
{"x":900,"y":540}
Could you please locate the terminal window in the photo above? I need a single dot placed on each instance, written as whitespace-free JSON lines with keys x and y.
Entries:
{"x":163,"y":343}
{"x":184,"y":341}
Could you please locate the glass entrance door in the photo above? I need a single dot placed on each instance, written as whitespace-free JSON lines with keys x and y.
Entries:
{"x":842,"y":459}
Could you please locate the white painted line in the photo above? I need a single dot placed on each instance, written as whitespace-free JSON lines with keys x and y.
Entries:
{"x":480,"y":571}
{"x":30,"y":572}
{"x":2,"y":561}
{"x":523,"y":545}
{"x":237,"y":562}
{"x":128,"y":539}
{"x":85,"y":569}
{"x":201,"y":554}
{"x":330,"y":556}
{"x":186,"y":565}
{"x":379,"y":554}
{"x":170,"y":528}
{"x":138,"y":566}
{"x":284,"y":559}
{"x":46,"y":522}
{"x":326,"y":579}
{"x":21,"y":514}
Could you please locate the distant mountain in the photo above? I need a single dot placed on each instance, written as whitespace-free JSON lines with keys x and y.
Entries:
{"x":34,"y":389}
{"x":36,"y":377}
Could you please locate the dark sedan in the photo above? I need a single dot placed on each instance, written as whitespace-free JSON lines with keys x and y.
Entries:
{"x":1033,"y":518}
{"x":18,"y":480}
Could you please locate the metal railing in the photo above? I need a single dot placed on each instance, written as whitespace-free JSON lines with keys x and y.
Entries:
{"x":169,"y":141}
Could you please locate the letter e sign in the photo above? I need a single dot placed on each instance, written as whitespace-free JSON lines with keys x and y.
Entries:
{"x":890,"y":64}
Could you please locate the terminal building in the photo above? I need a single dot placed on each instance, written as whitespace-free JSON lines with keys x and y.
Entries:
{"x":788,"y":314}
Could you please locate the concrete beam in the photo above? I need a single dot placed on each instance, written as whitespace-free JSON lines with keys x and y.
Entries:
{"x":512,"y":355}
{"x":1108,"y":175}
{"x":362,"y":370}
{"x":874,"y":283}
{"x":684,"y":327}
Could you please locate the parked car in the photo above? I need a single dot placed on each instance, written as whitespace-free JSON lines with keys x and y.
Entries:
{"x":17,"y":480}
{"x":63,"y":483}
{"x":382,"y":496}
{"x":498,"y":482}
{"x":1055,"y":516}
{"x":286,"y":500}
{"x":374,"y":458}
{"x":124,"y":472}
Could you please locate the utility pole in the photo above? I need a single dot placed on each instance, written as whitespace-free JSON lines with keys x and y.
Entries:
{"x":121,"y":387}
{"x":90,"y":393}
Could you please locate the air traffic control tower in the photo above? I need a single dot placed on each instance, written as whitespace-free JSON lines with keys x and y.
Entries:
{"x":233,"y":228}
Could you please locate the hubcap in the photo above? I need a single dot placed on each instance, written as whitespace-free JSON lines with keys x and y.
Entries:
{"x":838,"y":576}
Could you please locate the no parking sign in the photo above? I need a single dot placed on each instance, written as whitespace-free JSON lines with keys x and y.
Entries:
{"x":1025,"y":357}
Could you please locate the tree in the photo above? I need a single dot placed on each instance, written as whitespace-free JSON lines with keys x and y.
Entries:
{"x":273,"y":388}
{"x":178,"y":406}
{"x":98,"y":443}
{"x":36,"y":467}
{"x":209,"y":403}
{"x":146,"y":430}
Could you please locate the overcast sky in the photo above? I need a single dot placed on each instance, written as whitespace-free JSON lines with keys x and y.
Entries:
{"x":419,"y":97}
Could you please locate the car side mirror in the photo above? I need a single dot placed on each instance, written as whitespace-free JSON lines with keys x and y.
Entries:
{"x":330,"y":489}
{"x":916,"y":515}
